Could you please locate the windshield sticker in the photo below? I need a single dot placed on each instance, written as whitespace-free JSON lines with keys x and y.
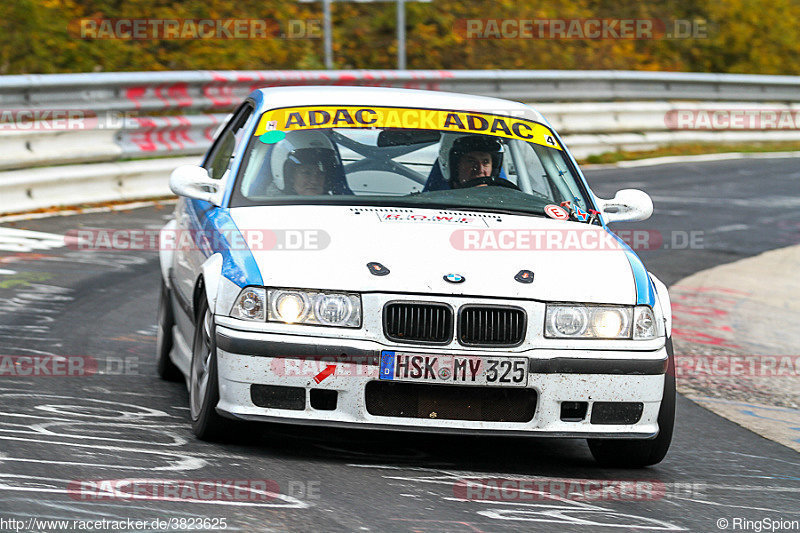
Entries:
{"x":579,"y":213}
{"x":415,"y":217}
{"x":320,"y":117}
{"x":271,"y":137}
{"x":576,"y":210}
{"x":556,"y":212}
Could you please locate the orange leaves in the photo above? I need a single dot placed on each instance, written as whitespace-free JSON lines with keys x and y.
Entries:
{"x":756,"y":36}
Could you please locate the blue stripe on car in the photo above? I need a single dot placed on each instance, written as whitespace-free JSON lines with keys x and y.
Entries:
{"x":645,"y":293}
{"x":238,"y":263}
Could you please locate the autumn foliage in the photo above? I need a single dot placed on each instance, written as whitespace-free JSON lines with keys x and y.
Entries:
{"x":741,"y":36}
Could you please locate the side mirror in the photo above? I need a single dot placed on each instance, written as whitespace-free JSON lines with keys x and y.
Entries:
{"x":192,"y":181}
{"x":628,"y":205}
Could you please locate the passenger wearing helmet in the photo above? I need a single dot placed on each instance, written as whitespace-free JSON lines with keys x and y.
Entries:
{"x":475,"y":160}
{"x":304,"y":164}
{"x":304,"y":175}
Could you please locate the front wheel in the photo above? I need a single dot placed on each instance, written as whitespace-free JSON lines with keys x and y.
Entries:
{"x":207,"y":424}
{"x":632,"y":453}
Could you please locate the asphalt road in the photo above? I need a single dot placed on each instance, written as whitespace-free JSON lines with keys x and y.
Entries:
{"x":123,"y":422}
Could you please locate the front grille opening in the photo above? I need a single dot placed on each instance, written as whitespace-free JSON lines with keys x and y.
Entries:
{"x":278,"y":397}
{"x":418,"y":322}
{"x":573,"y":411}
{"x":323,"y":399}
{"x":491,"y":326}
{"x":450,"y":402}
{"x":616,"y":412}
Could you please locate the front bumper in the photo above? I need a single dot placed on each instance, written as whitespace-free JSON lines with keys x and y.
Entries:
{"x":260,"y":358}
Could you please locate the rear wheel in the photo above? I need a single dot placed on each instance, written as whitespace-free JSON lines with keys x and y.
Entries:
{"x":632,"y":453}
{"x":207,"y":424}
{"x":164,"y":366}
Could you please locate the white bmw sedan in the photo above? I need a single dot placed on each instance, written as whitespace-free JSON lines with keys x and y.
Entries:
{"x":413,"y":261}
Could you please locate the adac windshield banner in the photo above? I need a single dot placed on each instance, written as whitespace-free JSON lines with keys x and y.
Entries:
{"x":318,"y":117}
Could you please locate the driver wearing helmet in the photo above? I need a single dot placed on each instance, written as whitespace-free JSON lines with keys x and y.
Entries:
{"x":303,"y":164}
{"x":305,"y":176}
{"x":475,"y":160}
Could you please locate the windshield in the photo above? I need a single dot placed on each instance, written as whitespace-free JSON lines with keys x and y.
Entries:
{"x":358,"y":156}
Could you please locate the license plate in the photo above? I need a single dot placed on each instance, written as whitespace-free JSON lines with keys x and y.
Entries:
{"x":454,"y":369}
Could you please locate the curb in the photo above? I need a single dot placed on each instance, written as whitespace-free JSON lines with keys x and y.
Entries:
{"x":735,"y":329}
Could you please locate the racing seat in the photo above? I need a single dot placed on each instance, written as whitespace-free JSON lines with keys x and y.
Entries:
{"x":436,"y":181}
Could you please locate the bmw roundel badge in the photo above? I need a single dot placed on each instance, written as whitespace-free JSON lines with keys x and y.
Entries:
{"x":454,"y":278}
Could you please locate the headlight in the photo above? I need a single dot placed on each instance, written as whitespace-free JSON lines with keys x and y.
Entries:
{"x":314,"y":308}
{"x":610,"y":323}
{"x":567,"y":321}
{"x":333,"y":308}
{"x":290,"y":307}
{"x":250,"y":304}
{"x":590,"y":321}
{"x":644,"y":323}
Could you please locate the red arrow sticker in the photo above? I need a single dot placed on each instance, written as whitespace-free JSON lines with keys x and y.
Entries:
{"x":330,"y":369}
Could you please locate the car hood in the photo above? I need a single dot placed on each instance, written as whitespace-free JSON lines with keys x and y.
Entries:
{"x":328,"y":247}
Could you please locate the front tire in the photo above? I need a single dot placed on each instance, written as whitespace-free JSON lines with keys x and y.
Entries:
{"x":630,"y":453}
{"x":165,"y":368}
{"x":207,"y":424}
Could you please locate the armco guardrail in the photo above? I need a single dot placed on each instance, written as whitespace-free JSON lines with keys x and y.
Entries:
{"x":29,"y":189}
{"x":161,"y":114}
{"x":148,"y":91}
{"x":108,"y":139}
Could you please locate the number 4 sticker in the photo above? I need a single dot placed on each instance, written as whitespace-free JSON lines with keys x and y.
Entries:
{"x":549,"y":140}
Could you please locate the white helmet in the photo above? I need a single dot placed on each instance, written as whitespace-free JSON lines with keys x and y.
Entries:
{"x":301,"y":148}
{"x":445,"y":145}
